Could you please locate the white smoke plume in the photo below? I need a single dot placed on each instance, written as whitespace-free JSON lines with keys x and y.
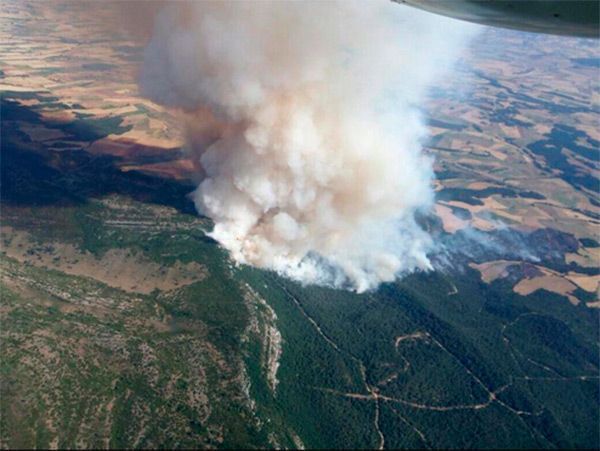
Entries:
{"x":304,"y":118}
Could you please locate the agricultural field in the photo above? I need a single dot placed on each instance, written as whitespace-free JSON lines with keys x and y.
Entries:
{"x":123,"y":324}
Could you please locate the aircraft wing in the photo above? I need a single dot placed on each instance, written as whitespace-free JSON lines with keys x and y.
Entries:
{"x":566,"y":17}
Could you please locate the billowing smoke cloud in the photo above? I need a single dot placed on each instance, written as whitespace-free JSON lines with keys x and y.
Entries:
{"x":304,"y":119}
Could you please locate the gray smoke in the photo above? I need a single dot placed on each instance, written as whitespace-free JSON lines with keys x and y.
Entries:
{"x":304,"y":118}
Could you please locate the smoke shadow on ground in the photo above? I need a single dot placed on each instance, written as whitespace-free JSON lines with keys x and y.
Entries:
{"x":35,"y":174}
{"x":38,"y":174}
